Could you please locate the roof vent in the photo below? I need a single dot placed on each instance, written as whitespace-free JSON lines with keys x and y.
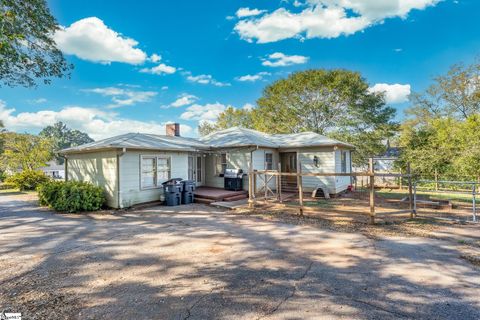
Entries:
{"x":173,"y":129}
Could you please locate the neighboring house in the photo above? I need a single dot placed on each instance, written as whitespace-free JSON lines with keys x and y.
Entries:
{"x":386,"y":161}
{"x":132,"y":167}
{"x":54,"y":170}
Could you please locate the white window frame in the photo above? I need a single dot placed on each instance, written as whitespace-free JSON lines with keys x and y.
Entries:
{"x":269,"y":165}
{"x":156,"y":182}
{"x":221,"y":161}
{"x":343,"y":161}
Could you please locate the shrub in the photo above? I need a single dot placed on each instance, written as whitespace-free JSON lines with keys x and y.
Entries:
{"x":3,"y":175}
{"x":71,"y":196}
{"x":27,"y":179}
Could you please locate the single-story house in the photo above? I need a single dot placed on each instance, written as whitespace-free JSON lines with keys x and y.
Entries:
{"x":54,"y":170}
{"x":132,"y":167}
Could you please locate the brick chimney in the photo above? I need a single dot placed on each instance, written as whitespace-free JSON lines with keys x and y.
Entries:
{"x":173,"y":129}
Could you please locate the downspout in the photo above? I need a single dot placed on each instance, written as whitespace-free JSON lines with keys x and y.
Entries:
{"x":118,"y":177}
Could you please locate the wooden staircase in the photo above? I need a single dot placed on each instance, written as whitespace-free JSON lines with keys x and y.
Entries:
{"x":289,"y":186}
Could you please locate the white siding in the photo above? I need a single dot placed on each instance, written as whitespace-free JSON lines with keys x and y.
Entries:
{"x":326,"y":163}
{"x":130,"y":190}
{"x":98,"y":168}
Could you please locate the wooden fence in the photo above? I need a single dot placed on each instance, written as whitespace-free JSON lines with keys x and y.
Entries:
{"x":266,"y":176}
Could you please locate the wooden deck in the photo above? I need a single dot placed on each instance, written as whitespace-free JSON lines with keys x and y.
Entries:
{"x":209,"y":195}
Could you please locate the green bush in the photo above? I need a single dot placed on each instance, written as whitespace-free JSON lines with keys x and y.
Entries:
{"x":27,"y":179}
{"x":3,"y":175}
{"x":71,"y":196}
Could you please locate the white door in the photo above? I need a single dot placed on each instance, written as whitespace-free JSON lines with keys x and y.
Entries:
{"x":195,"y":169}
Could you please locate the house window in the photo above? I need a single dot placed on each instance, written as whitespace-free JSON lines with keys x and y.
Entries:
{"x":163,"y":170}
{"x":343,"y":161}
{"x":220,"y":164}
{"x":154,"y":171}
{"x":268,"y":161}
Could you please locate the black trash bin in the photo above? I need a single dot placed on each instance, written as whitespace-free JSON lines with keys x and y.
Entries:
{"x":188,"y":185}
{"x":187,"y":193}
{"x":173,"y":191}
{"x":187,"y":197}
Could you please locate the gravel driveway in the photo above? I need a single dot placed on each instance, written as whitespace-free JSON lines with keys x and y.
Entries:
{"x":197,"y":262}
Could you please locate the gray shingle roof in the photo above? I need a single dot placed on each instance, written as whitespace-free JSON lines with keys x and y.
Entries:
{"x":235,"y":137}
{"x":229,"y":138}
{"x":142,"y":141}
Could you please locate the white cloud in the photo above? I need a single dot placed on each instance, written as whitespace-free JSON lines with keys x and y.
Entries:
{"x":279,"y":59}
{"x":123,"y":97}
{"x":184,"y":100}
{"x":160,"y":69}
{"x":208,"y":112}
{"x":325,"y":19}
{"x":206,"y":79}
{"x":37,"y":101}
{"x":253,"y":77}
{"x":248,"y":106}
{"x":247,"y":12}
{"x":155,"y":57}
{"x":394,"y":93}
{"x":98,"y":124}
{"x":90,"y":39}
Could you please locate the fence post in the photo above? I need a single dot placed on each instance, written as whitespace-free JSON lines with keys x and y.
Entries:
{"x":410,"y":192}
{"x":415,"y":198}
{"x":299,"y":183}
{"x":474,"y":204}
{"x":371,"y":170}
{"x":250,"y":190}
{"x":436,"y":179}
{"x":401,"y":180}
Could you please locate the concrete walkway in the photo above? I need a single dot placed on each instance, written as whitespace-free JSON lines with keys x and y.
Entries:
{"x":199,"y":262}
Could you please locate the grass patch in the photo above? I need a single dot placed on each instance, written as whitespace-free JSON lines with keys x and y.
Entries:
{"x":326,"y":204}
{"x":396,"y":194}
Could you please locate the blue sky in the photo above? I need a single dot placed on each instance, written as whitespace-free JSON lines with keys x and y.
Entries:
{"x":139,"y":65}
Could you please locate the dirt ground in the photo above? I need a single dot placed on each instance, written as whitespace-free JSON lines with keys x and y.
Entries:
{"x":198,"y":262}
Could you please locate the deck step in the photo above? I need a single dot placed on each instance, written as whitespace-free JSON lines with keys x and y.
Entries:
{"x":203,"y":200}
{"x":237,"y":197}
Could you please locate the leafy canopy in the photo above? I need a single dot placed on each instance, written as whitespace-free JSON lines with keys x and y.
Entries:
{"x":25,"y":152}
{"x":231,"y":117}
{"x":442,"y":131}
{"x":63,"y":137}
{"x":336,"y":103}
{"x":27,"y":49}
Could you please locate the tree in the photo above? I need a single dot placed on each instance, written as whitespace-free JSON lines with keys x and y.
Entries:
{"x":455,"y":94}
{"x":206,"y":127}
{"x":231,"y":117}
{"x":322,"y":101}
{"x":27,"y":49}
{"x":441,"y":132}
{"x":336,"y":103}
{"x":25,"y":152}
{"x":63,"y":137}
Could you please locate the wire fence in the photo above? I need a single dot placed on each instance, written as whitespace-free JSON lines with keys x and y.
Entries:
{"x":373,"y":194}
